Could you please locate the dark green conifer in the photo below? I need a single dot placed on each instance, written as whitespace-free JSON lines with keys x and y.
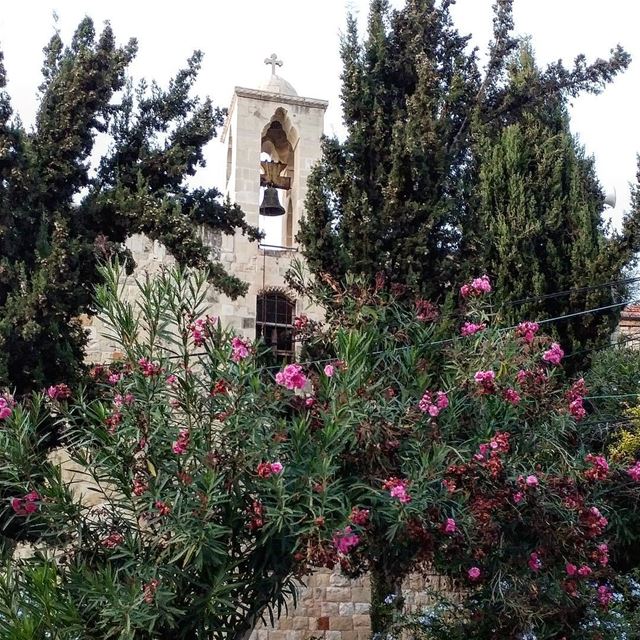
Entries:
{"x":59,"y":217}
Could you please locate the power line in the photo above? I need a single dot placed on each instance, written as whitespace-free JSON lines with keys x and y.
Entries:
{"x":566,"y":292}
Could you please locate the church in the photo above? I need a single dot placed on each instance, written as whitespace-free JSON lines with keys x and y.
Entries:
{"x":272,"y":137}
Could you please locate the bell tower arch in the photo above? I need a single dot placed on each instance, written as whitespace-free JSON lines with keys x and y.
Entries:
{"x":272,"y":137}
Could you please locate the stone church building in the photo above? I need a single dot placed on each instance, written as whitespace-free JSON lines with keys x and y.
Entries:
{"x":272,"y":136}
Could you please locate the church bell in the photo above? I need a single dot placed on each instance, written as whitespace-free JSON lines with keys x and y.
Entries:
{"x":270,"y":205}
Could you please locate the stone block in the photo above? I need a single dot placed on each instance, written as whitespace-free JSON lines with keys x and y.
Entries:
{"x":346,"y":608}
{"x":338,"y":594}
{"x":361,"y":622}
{"x":340,"y":623}
{"x":360,"y":594}
{"x":322,"y":623}
{"x":330,"y":608}
{"x":361,"y":607}
{"x":300,"y":623}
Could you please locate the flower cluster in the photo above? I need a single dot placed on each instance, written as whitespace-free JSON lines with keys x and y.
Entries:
{"x":433,"y":402}
{"x":256,"y":516}
{"x":476,"y":287}
{"x":634,"y":471}
{"x":300,"y":322}
{"x":59,"y":392}
{"x":149,"y":368}
{"x":292,"y":377}
{"x":120,"y":400}
{"x":554,"y":354}
{"x":575,"y":396}
{"x":511,"y":396}
{"x":268,"y":469}
{"x":599,"y":469}
{"x":26,"y":505}
{"x":359,"y":517}
{"x":397,"y":488}
{"x":149,"y":590}
{"x":200,"y":329}
{"x":471,"y":328}
{"x":345,"y":540}
{"x":180,"y":446}
{"x":240,"y":349}
{"x":426,"y":311}
{"x":485,"y":381}
{"x":112,"y":541}
{"x":6,"y":407}
{"x":527,"y":331}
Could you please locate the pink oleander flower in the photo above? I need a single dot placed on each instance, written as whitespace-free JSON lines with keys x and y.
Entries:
{"x":359,"y":517}
{"x":599,"y":469}
{"x":5,"y":408}
{"x":59,"y":392}
{"x":511,"y":396}
{"x":474,"y":573}
{"x":200,"y":329}
{"x":585,"y":571}
{"x":309,"y":402}
{"x":571,"y":569}
{"x":397,"y":488}
{"x":605,"y":595}
{"x":277,"y":468}
{"x":149,"y":590}
{"x":470,"y":328}
{"x":345,"y":540}
{"x":433,"y":403}
{"x":300,"y":322}
{"x":239,"y":349}
{"x":486,"y":381}
{"x":576,"y":409}
{"x":634,"y":471}
{"x":163,"y":508}
{"x":554,"y":354}
{"x":426,"y":311}
{"x":527,"y":331}
{"x":532,"y":481}
{"x":180,"y":446}
{"x":112,"y":541}
{"x":602,"y":554}
{"x":329,"y":370}
{"x":449,"y":526}
{"x":114,"y":378}
{"x":120,"y":400}
{"x":172,"y":379}
{"x":518,"y":496}
{"x":26,"y":505}
{"x":140,"y":485}
{"x":292,"y":377}
{"x":476,"y":287}
{"x":268,"y":469}
{"x":535,"y":563}
{"x":149,"y":368}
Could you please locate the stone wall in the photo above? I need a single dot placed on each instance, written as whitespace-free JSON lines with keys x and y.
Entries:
{"x":333,"y":607}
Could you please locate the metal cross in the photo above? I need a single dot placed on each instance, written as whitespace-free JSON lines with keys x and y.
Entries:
{"x":274,"y":62}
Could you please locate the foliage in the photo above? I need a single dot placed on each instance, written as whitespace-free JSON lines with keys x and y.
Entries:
{"x":186,"y":526}
{"x":64,"y":206}
{"x":402,"y":447}
{"x":446,"y":172}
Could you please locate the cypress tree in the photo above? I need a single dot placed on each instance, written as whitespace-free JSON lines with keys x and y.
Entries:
{"x":539,"y":219}
{"x":407,"y":193}
{"x":59,"y":217}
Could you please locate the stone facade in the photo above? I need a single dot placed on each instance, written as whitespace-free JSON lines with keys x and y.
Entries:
{"x":274,"y":123}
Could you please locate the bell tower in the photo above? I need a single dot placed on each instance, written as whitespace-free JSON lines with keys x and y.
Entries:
{"x":273,"y":140}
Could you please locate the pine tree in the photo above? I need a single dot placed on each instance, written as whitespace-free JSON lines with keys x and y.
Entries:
{"x":539,"y":219}
{"x":405,"y":193}
{"x":58,"y":217}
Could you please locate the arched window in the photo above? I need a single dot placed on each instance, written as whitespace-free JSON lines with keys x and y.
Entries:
{"x":274,"y":323}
